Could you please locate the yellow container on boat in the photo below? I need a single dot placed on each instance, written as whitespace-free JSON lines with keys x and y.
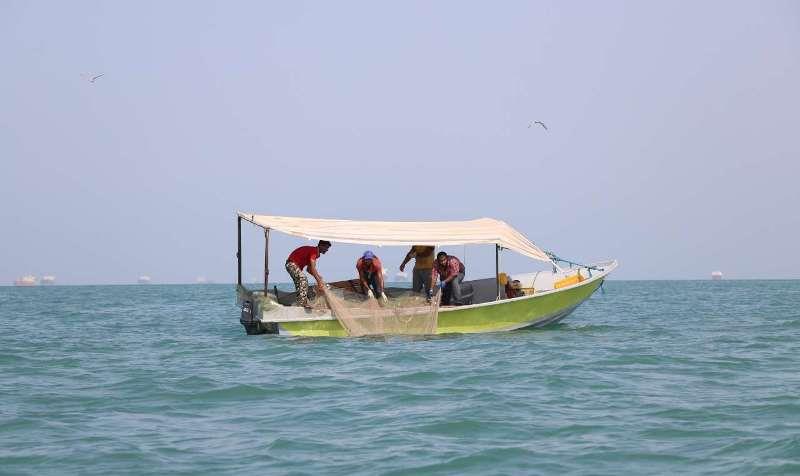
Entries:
{"x":568,"y":281}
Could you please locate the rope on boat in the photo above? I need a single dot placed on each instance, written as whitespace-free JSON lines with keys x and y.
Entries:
{"x":556,"y":258}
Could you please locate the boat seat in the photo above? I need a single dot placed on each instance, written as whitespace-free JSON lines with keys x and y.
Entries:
{"x":284,"y":297}
{"x":467,"y":292}
{"x":289,"y":298}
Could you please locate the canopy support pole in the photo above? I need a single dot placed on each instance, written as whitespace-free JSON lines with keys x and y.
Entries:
{"x":430,"y":278}
{"x":497,"y":268}
{"x":266,"y":259}
{"x":239,"y":250}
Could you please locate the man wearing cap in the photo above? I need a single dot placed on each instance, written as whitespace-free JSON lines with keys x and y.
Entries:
{"x":451,"y":271}
{"x":423,"y":264}
{"x":302,"y":257}
{"x":370,"y":274}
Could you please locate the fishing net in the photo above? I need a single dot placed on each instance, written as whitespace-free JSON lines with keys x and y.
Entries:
{"x":401,"y":315}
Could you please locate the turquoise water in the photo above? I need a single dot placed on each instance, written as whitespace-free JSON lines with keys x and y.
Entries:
{"x":650,"y":377}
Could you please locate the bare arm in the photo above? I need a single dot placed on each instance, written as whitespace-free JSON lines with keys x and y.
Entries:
{"x":380,"y":280}
{"x":363,"y":280}
{"x":312,"y":269}
{"x":409,"y":255}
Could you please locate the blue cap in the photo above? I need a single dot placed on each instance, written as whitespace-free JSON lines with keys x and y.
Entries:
{"x":368,"y":255}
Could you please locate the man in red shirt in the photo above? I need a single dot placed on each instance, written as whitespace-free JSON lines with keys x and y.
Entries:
{"x":370,"y":273}
{"x":451,"y":271}
{"x":306,"y":256}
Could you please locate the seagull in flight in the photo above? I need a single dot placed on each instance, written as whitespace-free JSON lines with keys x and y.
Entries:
{"x":537,"y":122}
{"x":95,"y":78}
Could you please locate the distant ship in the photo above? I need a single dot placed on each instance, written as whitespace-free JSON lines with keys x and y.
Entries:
{"x":716,"y":275}
{"x":27,"y":280}
{"x":48,"y":280}
{"x":144,"y":280}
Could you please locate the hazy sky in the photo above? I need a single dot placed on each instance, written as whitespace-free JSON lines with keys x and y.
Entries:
{"x":672,"y":142}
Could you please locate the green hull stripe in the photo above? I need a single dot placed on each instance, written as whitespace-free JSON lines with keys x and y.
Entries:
{"x":504,"y":315}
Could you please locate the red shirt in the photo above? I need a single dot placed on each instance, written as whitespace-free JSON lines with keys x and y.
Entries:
{"x":375,"y":268}
{"x":302,"y":256}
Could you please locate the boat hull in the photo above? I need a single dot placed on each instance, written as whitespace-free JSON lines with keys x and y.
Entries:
{"x":504,"y":315}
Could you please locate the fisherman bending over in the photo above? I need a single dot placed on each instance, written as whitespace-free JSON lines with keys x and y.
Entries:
{"x":451,"y":271}
{"x":370,"y":274}
{"x":423,"y":263}
{"x":306,"y":256}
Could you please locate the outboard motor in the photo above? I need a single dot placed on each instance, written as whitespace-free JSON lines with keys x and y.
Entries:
{"x":251,"y":325}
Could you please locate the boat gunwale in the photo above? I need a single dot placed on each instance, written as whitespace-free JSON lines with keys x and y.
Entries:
{"x":608,"y":267}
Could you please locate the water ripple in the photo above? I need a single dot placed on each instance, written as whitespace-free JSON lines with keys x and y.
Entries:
{"x":650,"y":377}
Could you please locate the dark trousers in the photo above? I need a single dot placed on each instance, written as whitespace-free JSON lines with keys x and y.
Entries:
{"x":451,"y":294}
{"x":421,"y":280}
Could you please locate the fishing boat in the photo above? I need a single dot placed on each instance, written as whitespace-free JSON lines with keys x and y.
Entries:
{"x":544,"y":297}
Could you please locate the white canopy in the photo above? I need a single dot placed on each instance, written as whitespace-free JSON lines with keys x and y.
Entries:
{"x":399,"y":233}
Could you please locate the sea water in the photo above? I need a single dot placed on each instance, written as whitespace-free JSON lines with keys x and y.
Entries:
{"x":653,"y":377}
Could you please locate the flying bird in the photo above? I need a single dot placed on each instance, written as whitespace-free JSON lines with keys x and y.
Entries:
{"x":537,"y":122}
{"x":94,"y":78}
